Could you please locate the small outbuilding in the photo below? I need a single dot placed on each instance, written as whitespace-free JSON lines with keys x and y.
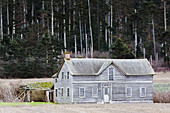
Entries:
{"x":85,"y":80}
{"x":38,"y":92}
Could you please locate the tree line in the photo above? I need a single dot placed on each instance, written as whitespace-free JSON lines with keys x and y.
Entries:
{"x":34,"y":33}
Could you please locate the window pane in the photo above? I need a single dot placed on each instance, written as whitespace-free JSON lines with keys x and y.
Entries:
{"x":110,"y":77}
{"x":68,"y":92}
{"x":67,"y":75}
{"x":56,"y":92}
{"x":106,"y":91}
{"x":82,"y":92}
{"x":62,"y":75}
{"x":111,"y":74}
{"x":143,"y":92}
{"x":128,"y":92}
{"x":110,"y":71}
{"x":95,"y":91}
{"x":62,"y":92}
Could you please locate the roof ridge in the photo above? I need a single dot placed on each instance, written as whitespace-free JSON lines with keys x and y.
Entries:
{"x":103,"y":59}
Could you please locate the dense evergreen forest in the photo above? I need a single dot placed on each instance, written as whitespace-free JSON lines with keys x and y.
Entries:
{"x":34,"y":34}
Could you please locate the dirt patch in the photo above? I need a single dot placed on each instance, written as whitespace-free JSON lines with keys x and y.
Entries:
{"x":90,"y":108}
{"x":162,"y":78}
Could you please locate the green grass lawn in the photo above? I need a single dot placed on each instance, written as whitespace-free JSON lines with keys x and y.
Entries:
{"x":23,"y":103}
{"x":161,"y":87}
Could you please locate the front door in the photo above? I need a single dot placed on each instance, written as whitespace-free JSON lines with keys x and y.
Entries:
{"x":106,"y":94}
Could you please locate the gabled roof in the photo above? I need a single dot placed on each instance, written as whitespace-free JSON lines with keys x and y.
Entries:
{"x":91,"y":66}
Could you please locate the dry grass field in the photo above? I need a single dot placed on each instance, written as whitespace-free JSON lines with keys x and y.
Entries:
{"x":90,"y":108}
{"x":24,"y":81}
{"x":160,"y":78}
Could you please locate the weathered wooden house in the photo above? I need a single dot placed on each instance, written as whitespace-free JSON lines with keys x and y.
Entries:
{"x":84,"y":80}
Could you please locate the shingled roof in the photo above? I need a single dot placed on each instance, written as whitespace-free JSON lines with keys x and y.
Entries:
{"x":91,"y":66}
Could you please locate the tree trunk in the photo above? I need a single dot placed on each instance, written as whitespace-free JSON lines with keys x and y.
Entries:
{"x":74,"y":27}
{"x":38,"y":34}
{"x":86,"y":39}
{"x":86,"y":47}
{"x":165,"y":15}
{"x":153,"y":31}
{"x":144,"y":53}
{"x":81,"y":43}
{"x":90,"y":30}
{"x":32,"y":12}
{"x":151,"y":59}
{"x":75,"y":46}
{"x":43,"y":21}
{"x":165,"y":24}
{"x":111,"y":23}
{"x":136,"y":38}
{"x":109,"y":29}
{"x":8,"y":31}
{"x":13,"y":28}
{"x":106,"y":29}
{"x":98,"y":26}
{"x":58,"y":25}
{"x":1,"y":22}
{"x":64,"y":26}
{"x":52,"y":19}
{"x":24,"y":9}
{"x":126,"y":28}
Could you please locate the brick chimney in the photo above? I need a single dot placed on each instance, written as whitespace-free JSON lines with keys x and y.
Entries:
{"x":67,"y":55}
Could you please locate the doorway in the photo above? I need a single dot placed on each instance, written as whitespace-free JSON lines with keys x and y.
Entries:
{"x":106,"y":94}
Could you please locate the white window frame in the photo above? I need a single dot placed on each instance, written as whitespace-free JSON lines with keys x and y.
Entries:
{"x":67,"y":92}
{"x":84,"y":92}
{"x":142,"y":95}
{"x":93,"y":92}
{"x":113,"y":74}
{"x":130,"y":91}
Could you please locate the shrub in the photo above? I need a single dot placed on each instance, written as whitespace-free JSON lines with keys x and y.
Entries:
{"x":8,"y":92}
{"x":161,"y":97}
{"x":119,"y":50}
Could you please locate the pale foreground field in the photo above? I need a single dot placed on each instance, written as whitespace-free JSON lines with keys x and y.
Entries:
{"x":90,"y":108}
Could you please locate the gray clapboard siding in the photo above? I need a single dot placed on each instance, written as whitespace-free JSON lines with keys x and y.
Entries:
{"x":88,"y":93}
{"x":64,"y":83}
